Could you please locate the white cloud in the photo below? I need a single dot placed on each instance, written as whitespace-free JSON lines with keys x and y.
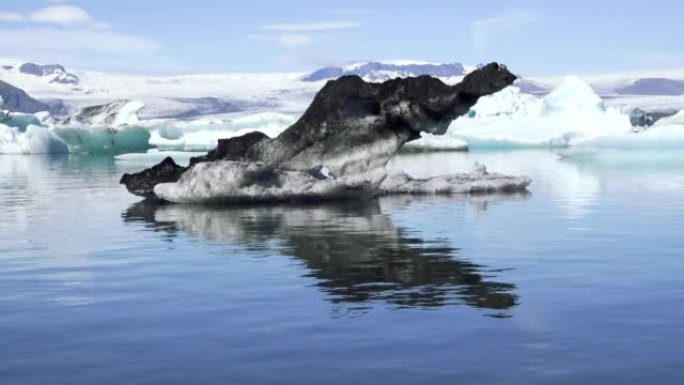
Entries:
{"x":316,"y":26}
{"x":69,"y":35}
{"x":12,"y":17}
{"x":484,"y":30}
{"x":62,"y":14}
{"x":67,"y":15}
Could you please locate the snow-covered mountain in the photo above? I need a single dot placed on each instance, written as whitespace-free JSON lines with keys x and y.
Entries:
{"x":215,"y":95}
{"x":191,"y":112}
{"x":653,"y":86}
{"x":15,"y":99}
{"x":55,"y":73}
{"x":376,"y":71}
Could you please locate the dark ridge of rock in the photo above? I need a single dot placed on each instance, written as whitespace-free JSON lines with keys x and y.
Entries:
{"x":232,"y":148}
{"x":142,"y":183}
{"x":354,"y":126}
{"x":17,"y":100}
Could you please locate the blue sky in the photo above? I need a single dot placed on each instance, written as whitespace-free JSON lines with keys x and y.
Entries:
{"x":178,"y":36}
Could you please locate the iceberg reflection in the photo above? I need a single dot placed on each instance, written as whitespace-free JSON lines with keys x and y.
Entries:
{"x":353,"y":250}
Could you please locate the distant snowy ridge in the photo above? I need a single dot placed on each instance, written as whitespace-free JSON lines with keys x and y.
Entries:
{"x":17,"y":100}
{"x":381,"y":71}
{"x":55,"y":72}
{"x":653,"y":86}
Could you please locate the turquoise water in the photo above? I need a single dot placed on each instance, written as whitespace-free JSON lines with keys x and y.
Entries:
{"x":577,"y":282}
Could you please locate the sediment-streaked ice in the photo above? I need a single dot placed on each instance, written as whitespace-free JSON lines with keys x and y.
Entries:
{"x":229,"y":181}
{"x":477,"y":182}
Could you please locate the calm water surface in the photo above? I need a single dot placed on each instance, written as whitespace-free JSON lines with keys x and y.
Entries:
{"x":578,"y":282}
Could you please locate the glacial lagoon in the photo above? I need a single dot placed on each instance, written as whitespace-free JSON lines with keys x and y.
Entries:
{"x":577,"y":281}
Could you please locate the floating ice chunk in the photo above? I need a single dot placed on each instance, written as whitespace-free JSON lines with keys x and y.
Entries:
{"x":656,"y":138}
{"x":19,"y":120}
{"x":479,"y":181}
{"x":571,"y":114}
{"x":228,"y":181}
{"x":88,"y":139}
{"x":34,"y":140}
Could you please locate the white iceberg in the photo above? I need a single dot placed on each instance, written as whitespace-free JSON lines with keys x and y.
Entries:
{"x":33,"y":140}
{"x":571,"y":114}
{"x":664,"y":139}
{"x":103,"y":140}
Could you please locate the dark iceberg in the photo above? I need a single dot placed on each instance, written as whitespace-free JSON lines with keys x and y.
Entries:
{"x":350,"y":130}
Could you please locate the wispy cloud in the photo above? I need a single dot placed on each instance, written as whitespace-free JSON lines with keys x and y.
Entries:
{"x":68,"y":15}
{"x":485,"y":30}
{"x":352,"y":11}
{"x":315,"y":26}
{"x":74,"y":41}
{"x":294,"y":39}
{"x":286,"y":40}
{"x":66,"y":32}
{"x":12,"y":17}
{"x":60,"y":14}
